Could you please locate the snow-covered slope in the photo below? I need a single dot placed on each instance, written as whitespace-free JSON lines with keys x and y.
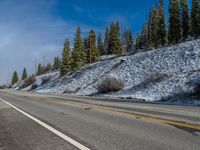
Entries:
{"x":153,"y":75}
{"x":41,"y":81}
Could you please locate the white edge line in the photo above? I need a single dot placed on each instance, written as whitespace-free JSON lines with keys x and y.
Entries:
{"x":53,"y":130}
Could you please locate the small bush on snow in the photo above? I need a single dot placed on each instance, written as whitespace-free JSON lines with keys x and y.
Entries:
{"x":195,"y":93}
{"x":110,"y":84}
{"x":34,"y":86}
{"x":27,"y":82}
{"x":45,"y":80}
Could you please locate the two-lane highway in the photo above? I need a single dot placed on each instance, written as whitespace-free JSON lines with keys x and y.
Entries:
{"x":94,"y":124}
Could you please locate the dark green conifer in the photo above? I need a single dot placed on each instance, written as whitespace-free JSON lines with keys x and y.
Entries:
{"x":24,"y":74}
{"x":14,"y":78}
{"x":106,"y":40}
{"x":128,"y":41}
{"x":195,"y":18}
{"x":100,"y":45}
{"x":93,"y":52}
{"x":154,"y":27}
{"x":114,"y":46}
{"x":174,"y":31}
{"x":161,"y":24}
{"x":78,"y":54}
{"x":185,"y":20}
{"x":56,"y":64}
{"x":40,"y":69}
{"x":66,"y":60}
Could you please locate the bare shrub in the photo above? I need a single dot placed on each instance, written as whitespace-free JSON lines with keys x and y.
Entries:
{"x":45,"y":80}
{"x":30,"y":80}
{"x":110,"y":84}
{"x":34,"y":86}
{"x":67,"y":91}
{"x":195,"y":93}
{"x":152,"y":80}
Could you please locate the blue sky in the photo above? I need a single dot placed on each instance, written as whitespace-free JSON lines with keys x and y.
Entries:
{"x":30,"y":29}
{"x":98,"y":14}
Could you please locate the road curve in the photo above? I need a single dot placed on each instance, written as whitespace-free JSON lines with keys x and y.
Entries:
{"x":96,"y":124}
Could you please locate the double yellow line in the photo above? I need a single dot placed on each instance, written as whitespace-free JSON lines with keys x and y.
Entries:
{"x":148,"y":118}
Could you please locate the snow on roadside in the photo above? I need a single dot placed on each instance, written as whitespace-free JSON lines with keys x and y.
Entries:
{"x":51,"y":76}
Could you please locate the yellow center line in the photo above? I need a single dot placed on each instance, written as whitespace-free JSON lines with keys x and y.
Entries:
{"x":149,"y":118}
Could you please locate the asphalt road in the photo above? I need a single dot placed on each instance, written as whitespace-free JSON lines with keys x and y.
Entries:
{"x":95,"y":123}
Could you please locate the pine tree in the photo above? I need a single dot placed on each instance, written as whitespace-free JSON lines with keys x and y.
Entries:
{"x":100,"y":45}
{"x":154,"y":22}
{"x":161,"y":25}
{"x":85,"y":43}
{"x":15,"y":78}
{"x":118,"y":29}
{"x":174,"y":31}
{"x":195,"y":18}
{"x":93,"y":52}
{"x":24,"y":74}
{"x":184,"y":19}
{"x":106,"y":40}
{"x":66,"y":60}
{"x":56,"y":64}
{"x":114,"y":46}
{"x":48,"y":67}
{"x":128,"y":41}
{"x":86,"y":48}
{"x":78,"y":54}
{"x":144,"y":37}
{"x":40,"y":69}
{"x":149,"y":28}
{"x":138,"y":44}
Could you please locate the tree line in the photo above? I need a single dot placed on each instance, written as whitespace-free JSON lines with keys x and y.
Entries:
{"x":15,"y":77}
{"x":183,"y":24}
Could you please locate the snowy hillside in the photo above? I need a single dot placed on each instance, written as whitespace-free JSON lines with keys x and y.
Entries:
{"x":151,"y":76}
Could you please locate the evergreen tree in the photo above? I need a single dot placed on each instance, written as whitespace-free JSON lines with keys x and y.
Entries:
{"x":174,"y":31}
{"x":86,"y":46}
{"x":48,"y":67}
{"x":66,"y":60}
{"x":128,"y":40}
{"x":195,"y":18}
{"x":93,"y":52}
{"x":24,"y":74}
{"x":118,"y":29}
{"x":85,"y":43}
{"x":144,"y":37}
{"x":138,"y":44}
{"x":185,"y":19}
{"x":106,"y":40}
{"x":15,"y":78}
{"x":149,"y":29}
{"x":56,"y":64}
{"x":100,"y":45}
{"x":114,"y":46}
{"x":78,"y":54}
{"x":40,"y":69}
{"x":154,"y":27}
{"x":161,"y":25}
